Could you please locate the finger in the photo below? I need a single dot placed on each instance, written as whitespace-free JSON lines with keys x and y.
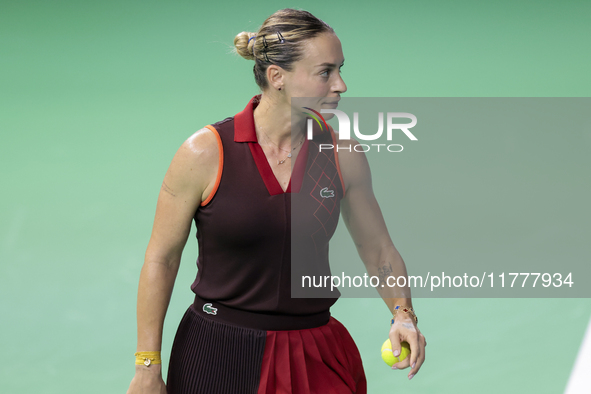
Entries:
{"x":415,"y":351}
{"x":396,"y":347}
{"x":420,"y":359}
{"x":402,"y":364}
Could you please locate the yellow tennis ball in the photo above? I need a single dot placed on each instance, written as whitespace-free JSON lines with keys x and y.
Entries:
{"x":388,"y":356}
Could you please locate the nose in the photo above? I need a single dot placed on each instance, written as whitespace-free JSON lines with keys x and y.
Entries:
{"x":340,"y":86}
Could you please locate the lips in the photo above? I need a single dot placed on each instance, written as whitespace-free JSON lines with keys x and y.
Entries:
{"x":335,"y":102}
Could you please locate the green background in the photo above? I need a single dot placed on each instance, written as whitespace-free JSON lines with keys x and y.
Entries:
{"x":95,"y":98}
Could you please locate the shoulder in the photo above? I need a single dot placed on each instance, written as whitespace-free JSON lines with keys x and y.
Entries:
{"x":196,"y":161}
{"x":202,"y":146}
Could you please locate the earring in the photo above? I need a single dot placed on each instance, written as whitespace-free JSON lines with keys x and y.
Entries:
{"x":279,"y":88}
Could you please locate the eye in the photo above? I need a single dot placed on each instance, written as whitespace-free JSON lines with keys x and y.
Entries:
{"x":324,"y":73}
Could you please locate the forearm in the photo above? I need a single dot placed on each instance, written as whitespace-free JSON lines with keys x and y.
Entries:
{"x":155,"y":288}
{"x":385,"y":262}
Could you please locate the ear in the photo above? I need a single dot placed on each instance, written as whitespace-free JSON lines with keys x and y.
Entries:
{"x":275,"y":76}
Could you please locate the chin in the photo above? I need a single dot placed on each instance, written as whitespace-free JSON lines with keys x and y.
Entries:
{"x":327,"y":116}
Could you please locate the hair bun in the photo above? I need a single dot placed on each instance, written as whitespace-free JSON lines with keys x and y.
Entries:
{"x":244,"y":45}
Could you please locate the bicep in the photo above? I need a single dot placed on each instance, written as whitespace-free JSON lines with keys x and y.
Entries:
{"x":181,"y":193}
{"x":172,"y":224}
{"x":360,"y":209}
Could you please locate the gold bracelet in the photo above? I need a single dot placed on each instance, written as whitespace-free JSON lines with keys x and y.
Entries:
{"x":147,"y":358}
{"x":410,"y":311}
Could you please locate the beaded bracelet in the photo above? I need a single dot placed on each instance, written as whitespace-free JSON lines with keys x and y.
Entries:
{"x":410,"y":311}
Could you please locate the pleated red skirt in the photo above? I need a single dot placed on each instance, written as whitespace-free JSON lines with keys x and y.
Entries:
{"x":214,"y":357}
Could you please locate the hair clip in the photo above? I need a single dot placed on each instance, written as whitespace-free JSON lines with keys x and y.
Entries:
{"x":265,"y":48}
{"x":280,"y":38}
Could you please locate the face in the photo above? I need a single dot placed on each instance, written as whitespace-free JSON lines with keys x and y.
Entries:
{"x":318,"y":73}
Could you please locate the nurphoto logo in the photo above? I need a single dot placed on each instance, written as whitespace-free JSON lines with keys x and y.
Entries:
{"x":344,"y":131}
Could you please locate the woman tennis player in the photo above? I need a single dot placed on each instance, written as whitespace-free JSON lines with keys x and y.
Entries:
{"x":237,"y":179}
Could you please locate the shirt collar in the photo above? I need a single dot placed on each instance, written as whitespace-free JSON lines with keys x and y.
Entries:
{"x":244,"y":130}
{"x":244,"y":122}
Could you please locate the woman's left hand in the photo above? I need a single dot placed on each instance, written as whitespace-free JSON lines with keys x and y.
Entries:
{"x":405,"y":329}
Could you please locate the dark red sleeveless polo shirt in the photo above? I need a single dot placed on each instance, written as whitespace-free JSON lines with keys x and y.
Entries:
{"x":246,"y":228}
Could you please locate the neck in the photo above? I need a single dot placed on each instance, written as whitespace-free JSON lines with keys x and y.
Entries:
{"x":272,"y":119}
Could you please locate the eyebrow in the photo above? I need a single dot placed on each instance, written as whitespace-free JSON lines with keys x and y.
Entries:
{"x":331,"y":65}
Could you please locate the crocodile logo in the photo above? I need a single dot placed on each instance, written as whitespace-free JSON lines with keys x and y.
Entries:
{"x":207,"y":308}
{"x":325,"y":193}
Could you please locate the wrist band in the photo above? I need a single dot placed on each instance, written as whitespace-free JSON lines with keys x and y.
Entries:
{"x":147,"y":358}
{"x":410,"y":311}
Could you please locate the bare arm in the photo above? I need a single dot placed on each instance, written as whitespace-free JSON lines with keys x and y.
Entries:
{"x":365,"y":222}
{"x":188,"y":182}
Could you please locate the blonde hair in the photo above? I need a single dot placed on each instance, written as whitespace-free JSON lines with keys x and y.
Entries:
{"x":279,"y":41}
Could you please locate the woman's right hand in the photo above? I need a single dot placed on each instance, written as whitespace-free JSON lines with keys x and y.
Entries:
{"x":147,"y":380}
